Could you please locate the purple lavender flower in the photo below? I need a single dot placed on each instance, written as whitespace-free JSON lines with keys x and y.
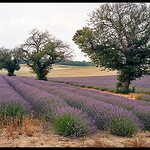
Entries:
{"x":107,"y":82}
{"x":48,"y":104}
{"x":9,"y":98}
{"x":99,"y":106}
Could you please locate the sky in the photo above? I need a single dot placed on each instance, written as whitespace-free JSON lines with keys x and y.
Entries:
{"x":61,"y":20}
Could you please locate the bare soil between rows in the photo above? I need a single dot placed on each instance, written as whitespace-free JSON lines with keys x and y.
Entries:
{"x":44,"y":136}
{"x":130,"y":95}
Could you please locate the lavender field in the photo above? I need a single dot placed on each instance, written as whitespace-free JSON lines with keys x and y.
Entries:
{"x":105,"y":82}
{"x":73,"y":111}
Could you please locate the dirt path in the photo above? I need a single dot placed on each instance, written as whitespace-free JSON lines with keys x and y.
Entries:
{"x":131,"y":95}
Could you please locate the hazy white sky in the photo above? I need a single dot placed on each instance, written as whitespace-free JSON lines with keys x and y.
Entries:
{"x":60,"y":19}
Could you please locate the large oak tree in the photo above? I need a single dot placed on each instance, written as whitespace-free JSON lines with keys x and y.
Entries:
{"x":118,"y":37}
{"x":41,"y":50}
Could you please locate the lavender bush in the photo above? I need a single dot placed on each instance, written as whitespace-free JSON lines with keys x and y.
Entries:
{"x":72,"y":124}
{"x":106,"y":109}
{"x":105,"y":82}
{"x":145,"y":98}
{"x":103,"y":113}
{"x":142,"y":85}
{"x":80,"y":97}
{"x":98,"y":82}
{"x":11,"y":103}
{"x":52,"y":106}
{"x":122,"y":126}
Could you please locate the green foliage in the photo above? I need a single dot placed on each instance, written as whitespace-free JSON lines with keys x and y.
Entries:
{"x":125,"y":90}
{"x":40,"y":51}
{"x":89,"y":86}
{"x":76,"y":63}
{"x":70,"y":125}
{"x":11,"y":66}
{"x":67,"y":82}
{"x":1,"y":66}
{"x":60,"y":82}
{"x":83,"y":86}
{"x":123,"y":126}
{"x":97,"y":88}
{"x":11,"y":74}
{"x":12,"y":109}
{"x":113,"y":40}
{"x":41,"y":70}
{"x":144,"y":98}
{"x":104,"y":89}
{"x":9,"y":61}
{"x":124,"y":82}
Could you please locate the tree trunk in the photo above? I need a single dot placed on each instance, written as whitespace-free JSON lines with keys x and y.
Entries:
{"x":125,"y":86}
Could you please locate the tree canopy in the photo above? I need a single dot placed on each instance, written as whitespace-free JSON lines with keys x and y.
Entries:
{"x":118,"y":37}
{"x":9,"y":61}
{"x":43,"y":50}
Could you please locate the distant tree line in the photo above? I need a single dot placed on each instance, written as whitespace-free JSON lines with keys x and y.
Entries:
{"x":76,"y":63}
{"x":70,"y":63}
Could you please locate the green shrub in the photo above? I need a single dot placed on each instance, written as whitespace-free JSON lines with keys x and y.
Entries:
{"x":71,"y":83}
{"x":11,"y":74}
{"x":123,"y":126}
{"x":12,"y":109}
{"x":59,"y":81}
{"x":70,"y":125}
{"x":82,"y":86}
{"x":67,"y":82}
{"x":112,"y":90}
{"x":104,"y":89}
{"x":96,"y":88}
{"x":89,"y":86}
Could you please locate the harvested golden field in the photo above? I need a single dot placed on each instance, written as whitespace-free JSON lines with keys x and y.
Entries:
{"x":64,"y":71}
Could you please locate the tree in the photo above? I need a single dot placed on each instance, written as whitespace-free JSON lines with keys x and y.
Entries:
{"x":118,"y":38}
{"x":9,"y":61}
{"x":43,"y":50}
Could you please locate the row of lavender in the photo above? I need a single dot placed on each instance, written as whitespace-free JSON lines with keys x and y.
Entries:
{"x":55,"y":109}
{"x":98,"y":106}
{"x":105,"y":82}
{"x":11,"y":102}
{"x":82,"y":98}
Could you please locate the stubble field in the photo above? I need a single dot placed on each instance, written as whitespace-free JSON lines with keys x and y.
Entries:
{"x":64,"y":71}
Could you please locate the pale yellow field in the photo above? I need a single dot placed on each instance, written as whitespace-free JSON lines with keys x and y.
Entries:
{"x":64,"y":71}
